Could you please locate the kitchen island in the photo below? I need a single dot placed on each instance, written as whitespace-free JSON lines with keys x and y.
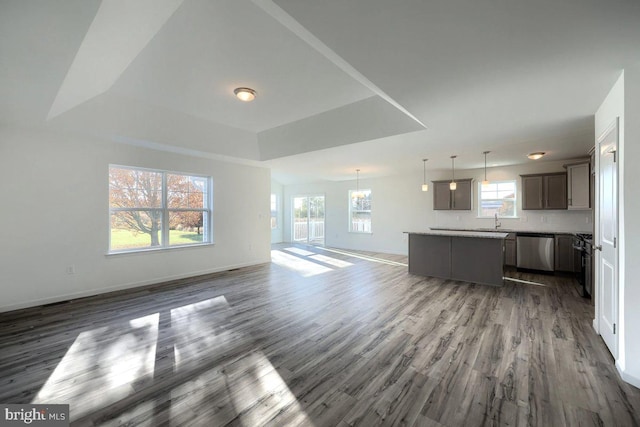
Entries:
{"x":470,"y":256}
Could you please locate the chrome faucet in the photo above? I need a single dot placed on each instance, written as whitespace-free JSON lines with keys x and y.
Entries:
{"x":496,"y":223}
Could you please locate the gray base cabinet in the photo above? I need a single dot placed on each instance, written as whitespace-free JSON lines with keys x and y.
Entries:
{"x":469,"y":259}
{"x":510,"y":258}
{"x":564,"y":253}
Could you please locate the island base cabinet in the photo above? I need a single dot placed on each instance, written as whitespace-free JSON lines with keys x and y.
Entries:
{"x":477,"y":260}
{"x":469,"y":259}
{"x":429,"y":255}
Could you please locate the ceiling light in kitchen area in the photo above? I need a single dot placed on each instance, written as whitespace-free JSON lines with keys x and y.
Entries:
{"x":245,"y":94}
{"x":537,"y":155}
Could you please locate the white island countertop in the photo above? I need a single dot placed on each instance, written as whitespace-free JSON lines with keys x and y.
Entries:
{"x":454,"y":233}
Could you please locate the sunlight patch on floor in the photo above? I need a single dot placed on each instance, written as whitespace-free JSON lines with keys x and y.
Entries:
{"x":247,"y":389}
{"x":364,"y":257}
{"x":102,"y":365}
{"x":299,"y":265}
{"x":331,"y":261}
{"x":200,"y":328}
{"x":299,"y":251}
{"x":527,"y":282}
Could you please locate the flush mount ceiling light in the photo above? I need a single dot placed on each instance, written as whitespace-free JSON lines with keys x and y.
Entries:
{"x":453,"y":185}
{"x":537,"y":155}
{"x":245,"y":94}
{"x":485,"y":182}
{"x":425,"y":186}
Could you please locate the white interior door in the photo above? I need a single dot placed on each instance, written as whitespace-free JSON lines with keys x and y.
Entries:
{"x":606,"y":239}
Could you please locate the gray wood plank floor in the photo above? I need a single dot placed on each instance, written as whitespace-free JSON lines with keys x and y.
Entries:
{"x":320,"y":337}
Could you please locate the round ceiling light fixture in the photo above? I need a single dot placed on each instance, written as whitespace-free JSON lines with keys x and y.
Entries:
{"x":245,"y":94}
{"x":537,"y":155}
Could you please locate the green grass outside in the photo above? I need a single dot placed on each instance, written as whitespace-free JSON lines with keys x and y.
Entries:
{"x":125,"y":239}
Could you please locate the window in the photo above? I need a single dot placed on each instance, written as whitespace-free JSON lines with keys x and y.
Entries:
{"x":360,"y":211}
{"x":274,"y":211}
{"x":497,"y":197}
{"x":152,"y":209}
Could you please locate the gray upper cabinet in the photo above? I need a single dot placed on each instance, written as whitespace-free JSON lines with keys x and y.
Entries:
{"x":578,"y":193}
{"x":532,"y":192}
{"x":445,"y":199}
{"x":441,"y":195}
{"x":544,"y":191}
{"x":462,"y":196}
{"x":555,"y":190}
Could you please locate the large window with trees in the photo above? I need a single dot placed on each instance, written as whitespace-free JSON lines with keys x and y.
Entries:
{"x":360,"y":211}
{"x":153,"y":209}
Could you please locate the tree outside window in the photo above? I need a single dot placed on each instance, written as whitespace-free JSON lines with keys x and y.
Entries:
{"x":152,"y":209}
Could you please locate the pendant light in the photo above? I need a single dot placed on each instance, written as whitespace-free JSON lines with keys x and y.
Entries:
{"x":358,"y":194}
{"x":425,"y":186}
{"x":452,"y":184}
{"x":485,"y":182}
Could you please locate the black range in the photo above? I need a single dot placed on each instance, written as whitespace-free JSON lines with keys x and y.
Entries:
{"x":583,"y":244}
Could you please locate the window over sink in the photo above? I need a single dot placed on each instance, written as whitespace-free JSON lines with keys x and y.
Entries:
{"x":497,"y":197}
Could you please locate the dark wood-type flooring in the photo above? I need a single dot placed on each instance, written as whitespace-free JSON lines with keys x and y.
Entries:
{"x":319,"y":338}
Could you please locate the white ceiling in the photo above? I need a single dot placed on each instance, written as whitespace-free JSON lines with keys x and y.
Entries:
{"x":341,"y":84}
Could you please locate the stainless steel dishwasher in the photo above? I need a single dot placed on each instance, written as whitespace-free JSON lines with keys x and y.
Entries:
{"x":535,"y":251}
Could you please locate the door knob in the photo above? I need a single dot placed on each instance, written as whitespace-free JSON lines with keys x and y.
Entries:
{"x":598,"y":247}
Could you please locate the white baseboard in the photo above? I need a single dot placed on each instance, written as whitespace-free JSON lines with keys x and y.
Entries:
{"x":634,"y":381}
{"x":122,"y":286}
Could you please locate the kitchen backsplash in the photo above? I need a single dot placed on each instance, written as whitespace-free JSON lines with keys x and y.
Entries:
{"x":562,"y":220}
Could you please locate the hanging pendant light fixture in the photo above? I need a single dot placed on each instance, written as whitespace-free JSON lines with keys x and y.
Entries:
{"x":358,"y":194}
{"x":485,"y":182}
{"x":425,"y":186}
{"x":453,"y":185}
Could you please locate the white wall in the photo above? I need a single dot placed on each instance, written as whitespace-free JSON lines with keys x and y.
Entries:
{"x":278,"y":232}
{"x":399,"y":205}
{"x":623,"y":101}
{"x":631,"y":230}
{"x":54,"y":193}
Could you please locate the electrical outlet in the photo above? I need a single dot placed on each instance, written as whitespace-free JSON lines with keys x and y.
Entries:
{"x":543,"y":218}
{"x":457,"y":217}
{"x":71,"y":269}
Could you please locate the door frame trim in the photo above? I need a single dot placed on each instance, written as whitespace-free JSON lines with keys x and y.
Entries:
{"x":614,"y":125}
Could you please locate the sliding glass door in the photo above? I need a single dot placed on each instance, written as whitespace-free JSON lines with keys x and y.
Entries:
{"x":308,"y":219}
